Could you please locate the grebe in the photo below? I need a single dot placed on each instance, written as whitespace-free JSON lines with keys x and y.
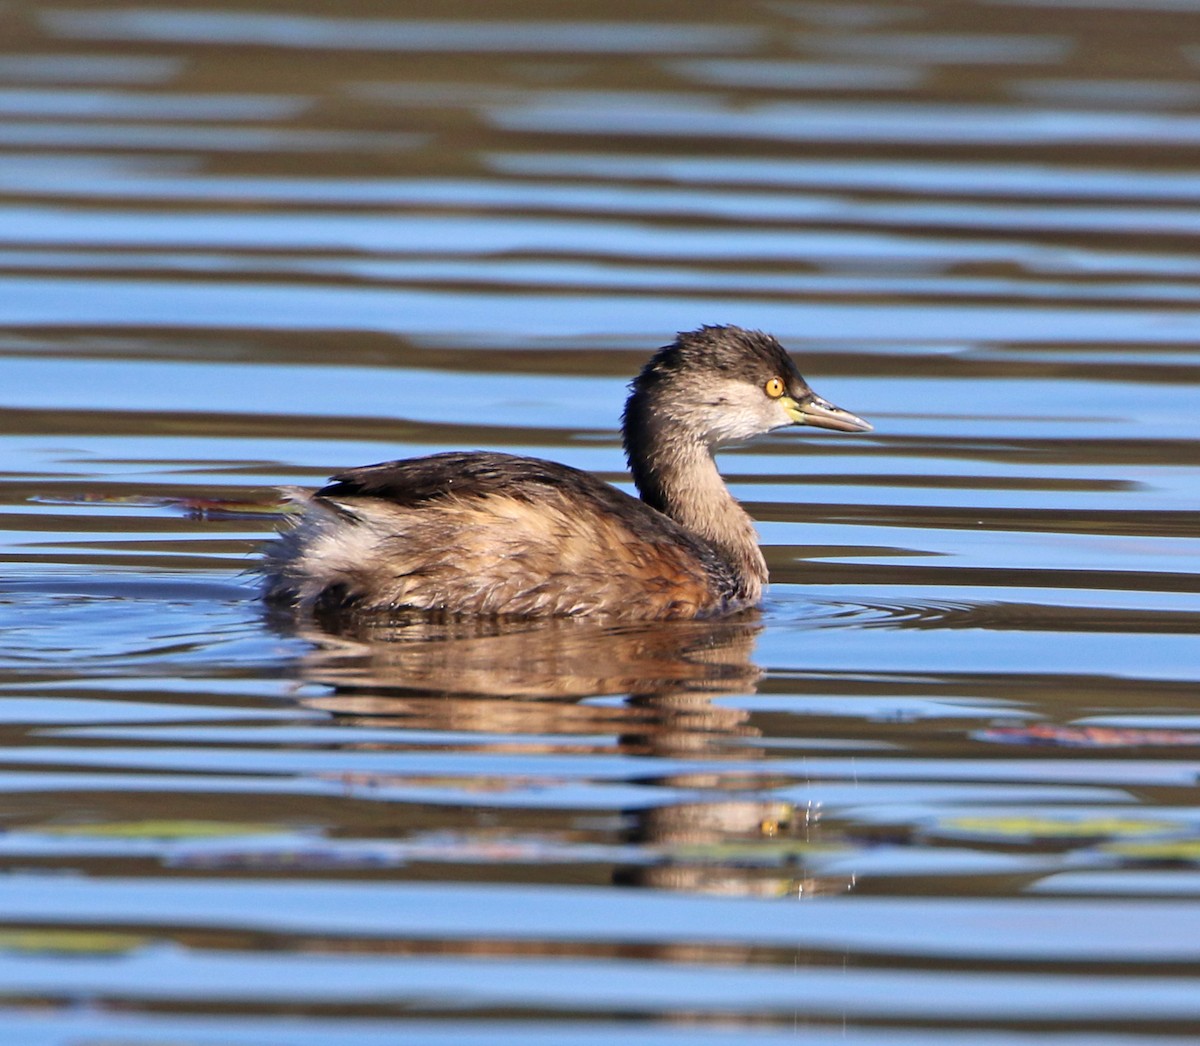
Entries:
{"x":482,"y":534}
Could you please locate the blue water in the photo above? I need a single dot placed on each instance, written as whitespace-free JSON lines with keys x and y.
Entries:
{"x":941,"y":789}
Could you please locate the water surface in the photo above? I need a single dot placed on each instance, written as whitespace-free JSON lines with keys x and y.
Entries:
{"x":942,"y":788}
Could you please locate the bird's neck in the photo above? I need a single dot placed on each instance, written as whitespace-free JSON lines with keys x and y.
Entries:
{"x":681,"y":480}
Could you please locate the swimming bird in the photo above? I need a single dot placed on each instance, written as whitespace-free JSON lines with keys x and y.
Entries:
{"x":477,"y":533}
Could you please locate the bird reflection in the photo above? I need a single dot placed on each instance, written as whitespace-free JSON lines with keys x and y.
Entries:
{"x":558,"y":686}
{"x":529,"y":676}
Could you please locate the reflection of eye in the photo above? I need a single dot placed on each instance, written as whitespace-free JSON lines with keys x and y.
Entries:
{"x":774,"y":388}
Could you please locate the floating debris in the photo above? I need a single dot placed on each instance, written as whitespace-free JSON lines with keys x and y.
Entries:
{"x":165,"y":829}
{"x":1086,"y":736}
{"x":1160,"y":851}
{"x":70,"y":942}
{"x":1029,"y":829}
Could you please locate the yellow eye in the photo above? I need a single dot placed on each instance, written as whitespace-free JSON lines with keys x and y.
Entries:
{"x":774,"y":388}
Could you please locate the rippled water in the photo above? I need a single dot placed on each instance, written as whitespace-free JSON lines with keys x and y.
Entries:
{"x":943,"y":788}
